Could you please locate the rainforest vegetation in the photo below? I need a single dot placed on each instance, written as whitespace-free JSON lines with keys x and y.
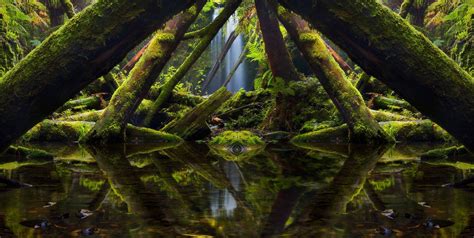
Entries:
{"x":236,"y":118}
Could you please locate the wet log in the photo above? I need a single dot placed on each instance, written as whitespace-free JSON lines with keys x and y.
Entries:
{"x":111,"y":126}
{"x":389,"y":116}
{"x":390,"y":49}
{"x":27,"y":153}
{"x":92,"y":102}
{"x":72,"y":131}
{"x":402,"y":131}
{"x":363,"y":128}
{"x":229,"y":9}
{"x":382,"y":102}
{"x":445,"y":153}
{"x":192,"y":122}
{"x":82,"y":50}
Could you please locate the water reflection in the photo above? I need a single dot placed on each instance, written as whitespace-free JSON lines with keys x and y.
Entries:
{"x":190,"y":190}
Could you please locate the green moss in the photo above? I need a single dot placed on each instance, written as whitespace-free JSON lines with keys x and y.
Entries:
{"x":137,"y":134}
{"x":90,"y":184}
{"x":28,"y":153}
{"x":308,"y":37}
{"x":243,"y":138}
{"x":337,"y":134}
{"x":50,"y":130}
{"x":444,"y":153}
{"x":423,"y":130}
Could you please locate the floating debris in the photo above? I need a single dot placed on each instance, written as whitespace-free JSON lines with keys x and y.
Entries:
{"x":88,"y":231}
{"x":384,"y":231}
{"x":424,"y":204}
{"x":389,"y":213}
{"x":84,"y":213}
{"x":49,"y":204}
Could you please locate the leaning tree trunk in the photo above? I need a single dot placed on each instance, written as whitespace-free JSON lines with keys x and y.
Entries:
{"x":112,"y":124}
{"x":363,"y":128}
{"x":387,"y":47}
{"x":211,"y":31}
{"x":84,"y":49}
{"x":281,"y":65}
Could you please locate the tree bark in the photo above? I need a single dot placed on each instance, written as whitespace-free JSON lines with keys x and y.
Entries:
{"x":213,"y":29}
{"x":281,"y":65}
{"x":387,"y":47}
{"x":82,"y":50}
{"x":187,"y":126}
{"x":363,"y":128}
{"x":127,"y":98}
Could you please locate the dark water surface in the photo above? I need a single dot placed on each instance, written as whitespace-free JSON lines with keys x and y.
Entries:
{"x":192,"y":191}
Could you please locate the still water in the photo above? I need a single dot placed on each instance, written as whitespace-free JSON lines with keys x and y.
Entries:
{"x":194,"y":191}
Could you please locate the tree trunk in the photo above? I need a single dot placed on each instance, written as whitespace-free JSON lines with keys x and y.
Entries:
{"x":212,"y":30}
{"x":127,"y":98}
{"x":281,"y":65}
{"x":188,"y":125}
{"x":402,"y":131}
{"x":82,"y":50}
{"x":72,"y":131}
{"x":387,"y":47}
{"x":363,"y":128}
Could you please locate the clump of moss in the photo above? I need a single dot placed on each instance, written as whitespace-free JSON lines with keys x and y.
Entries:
{"x":28,"y":153}
{"x":445,"y":153}
{"x":243,"y":138}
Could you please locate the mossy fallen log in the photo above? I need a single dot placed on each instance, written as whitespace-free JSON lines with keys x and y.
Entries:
{"x":382,"y":102}
{"x":380,"y":116}
{"x":82,"y":50}
{"x":445,"y":153}
{"x":402,"y":131}
{"x":387,"y":47}
{"x":190,"y":123}
{"x":363,"y":128}
{"x":72,"y":131}
{"x":27,"y":153}
{"x":112,"y":124}
{"x":92,"y":102}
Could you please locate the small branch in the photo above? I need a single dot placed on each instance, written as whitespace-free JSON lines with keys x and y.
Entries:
{"x":197,"y":33}
{"x":235,"y":67}
{"x":219,"y":60}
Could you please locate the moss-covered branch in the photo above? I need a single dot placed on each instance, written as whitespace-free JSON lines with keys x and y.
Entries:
{"x":169,"y":85}
{"x":72,"y":131}
{"x":363,"y":128}
{"x":82,"y":50}
{"x":390,"y":49}
{"x":189,"y":124}
{"x":402,"y":131}
{"x":129,"y":95}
